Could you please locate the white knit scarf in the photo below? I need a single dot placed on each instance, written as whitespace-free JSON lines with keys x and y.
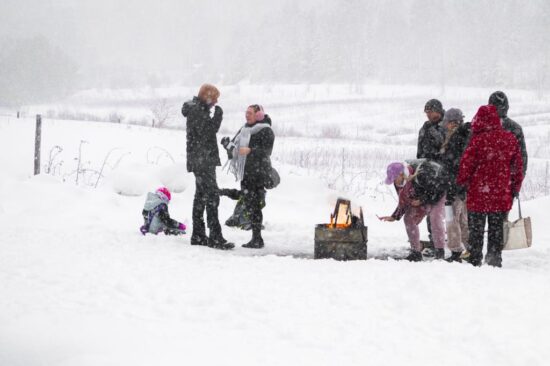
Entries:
{"x":237,"y":163}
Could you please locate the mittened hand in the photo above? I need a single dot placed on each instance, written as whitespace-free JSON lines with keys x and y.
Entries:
{"x":143,"y":230}
{"x":218,"y":111}
{"x":225,"y":141}
{"x":182,"y":227}
{"x":515,"y":194}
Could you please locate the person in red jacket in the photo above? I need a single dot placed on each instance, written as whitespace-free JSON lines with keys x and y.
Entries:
{"x":491,"y":170}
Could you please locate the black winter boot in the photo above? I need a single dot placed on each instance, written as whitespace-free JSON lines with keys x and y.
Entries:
{"x":257,"y":241}
{"x":474,"y":260}
{"x":455,"y":257}
{"x":219,"y":242}
{"x":199,"y":239}
{"x":414,"y":256}
{"x":494,"y":259}
{"x":439,"y":253}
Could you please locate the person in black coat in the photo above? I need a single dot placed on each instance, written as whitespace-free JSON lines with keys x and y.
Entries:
{"x":250,"y":153}
{"x":456,"y":140}
{"x":430,"y":139}
{"x":202,"y":160}
{"x":432,"y":134}
{"x":500,"y":100}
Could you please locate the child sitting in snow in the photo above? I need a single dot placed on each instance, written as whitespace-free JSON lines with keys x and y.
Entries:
{"x":156,"y":217}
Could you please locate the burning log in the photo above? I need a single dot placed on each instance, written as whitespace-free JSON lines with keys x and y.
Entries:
{"x":345,"y":237}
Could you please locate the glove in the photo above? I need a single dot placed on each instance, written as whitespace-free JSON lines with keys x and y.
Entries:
{"x":515,"y":195}
{"x":218,"y":111}
{"x":225,"y":141}
{"x":182,"y":227}
{"x":143,"y":229}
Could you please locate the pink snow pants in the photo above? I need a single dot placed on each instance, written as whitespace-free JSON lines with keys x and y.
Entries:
{"x":415,"y":215}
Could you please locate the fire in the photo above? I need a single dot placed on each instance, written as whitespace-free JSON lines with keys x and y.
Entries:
{"x":345,"y":237}
{"x":342,"y":217}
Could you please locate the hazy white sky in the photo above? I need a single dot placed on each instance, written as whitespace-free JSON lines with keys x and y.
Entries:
{"x":291,"y":40}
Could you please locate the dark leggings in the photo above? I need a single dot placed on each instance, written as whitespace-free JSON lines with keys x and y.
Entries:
{"x":206,"y":197}
{"x":476,"y":226}
{"x":254,"y":200}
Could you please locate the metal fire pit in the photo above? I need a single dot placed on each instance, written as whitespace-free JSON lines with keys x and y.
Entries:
{"x":340,"y":243}
{"x":347,"y":241}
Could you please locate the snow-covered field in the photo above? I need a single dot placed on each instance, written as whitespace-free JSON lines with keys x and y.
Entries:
{"x":79,"y":285}
{"x":340,"y":133}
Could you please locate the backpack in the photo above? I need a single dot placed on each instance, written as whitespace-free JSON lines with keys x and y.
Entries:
{"x":273,"y":179}
{"x":431,"y":181}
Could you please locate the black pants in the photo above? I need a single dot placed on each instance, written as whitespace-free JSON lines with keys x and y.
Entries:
{"x":254,"y":200}
{"x":476,"y":226}
{"x":206,"y":197}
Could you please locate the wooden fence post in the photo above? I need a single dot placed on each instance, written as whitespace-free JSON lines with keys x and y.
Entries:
{"x":37,"y":143}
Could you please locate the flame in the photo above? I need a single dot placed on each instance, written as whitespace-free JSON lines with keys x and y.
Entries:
{"x":338,"y":226}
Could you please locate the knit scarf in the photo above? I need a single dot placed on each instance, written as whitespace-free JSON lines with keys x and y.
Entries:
{"x":242,"y":139}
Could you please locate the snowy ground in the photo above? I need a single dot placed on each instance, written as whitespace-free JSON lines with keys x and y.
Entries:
{"x":79,"y":285}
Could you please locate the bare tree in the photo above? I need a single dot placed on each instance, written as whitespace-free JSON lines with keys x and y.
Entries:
{"x":162,"y":111}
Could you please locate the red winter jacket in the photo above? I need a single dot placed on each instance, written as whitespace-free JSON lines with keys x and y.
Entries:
{"x":491,"y":167}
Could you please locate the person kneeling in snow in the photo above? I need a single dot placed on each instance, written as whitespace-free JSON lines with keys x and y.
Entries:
{"x":156,"y":217}
{"x":421,"y":191}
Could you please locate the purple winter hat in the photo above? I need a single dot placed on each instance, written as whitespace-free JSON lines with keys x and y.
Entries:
{"x":393,"y":171}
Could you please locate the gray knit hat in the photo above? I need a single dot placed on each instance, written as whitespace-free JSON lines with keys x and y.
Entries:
{"x":453,"y":114}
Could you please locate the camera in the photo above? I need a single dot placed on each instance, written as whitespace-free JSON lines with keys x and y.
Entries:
{"x":228,"y":146}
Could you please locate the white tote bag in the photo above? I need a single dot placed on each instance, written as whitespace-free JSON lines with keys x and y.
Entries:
{"x":518,"y":234}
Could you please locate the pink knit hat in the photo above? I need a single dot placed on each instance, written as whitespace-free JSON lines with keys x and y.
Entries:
{"x":165,"y":192}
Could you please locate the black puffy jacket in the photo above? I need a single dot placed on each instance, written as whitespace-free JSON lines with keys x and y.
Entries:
{"x":430,"y":139}
{"x":258,"y":162}
{"x":451,"y":153}
{"x":514,"y":127}
{"x":431,"y":181}
{"x":202,"y":146}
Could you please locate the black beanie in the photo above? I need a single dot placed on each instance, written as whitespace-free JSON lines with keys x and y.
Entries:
{"x":500,"y":100}
{"x":435,"y":106}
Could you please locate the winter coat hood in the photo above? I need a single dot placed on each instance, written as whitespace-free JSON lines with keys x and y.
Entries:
{"x":486,"y":119}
